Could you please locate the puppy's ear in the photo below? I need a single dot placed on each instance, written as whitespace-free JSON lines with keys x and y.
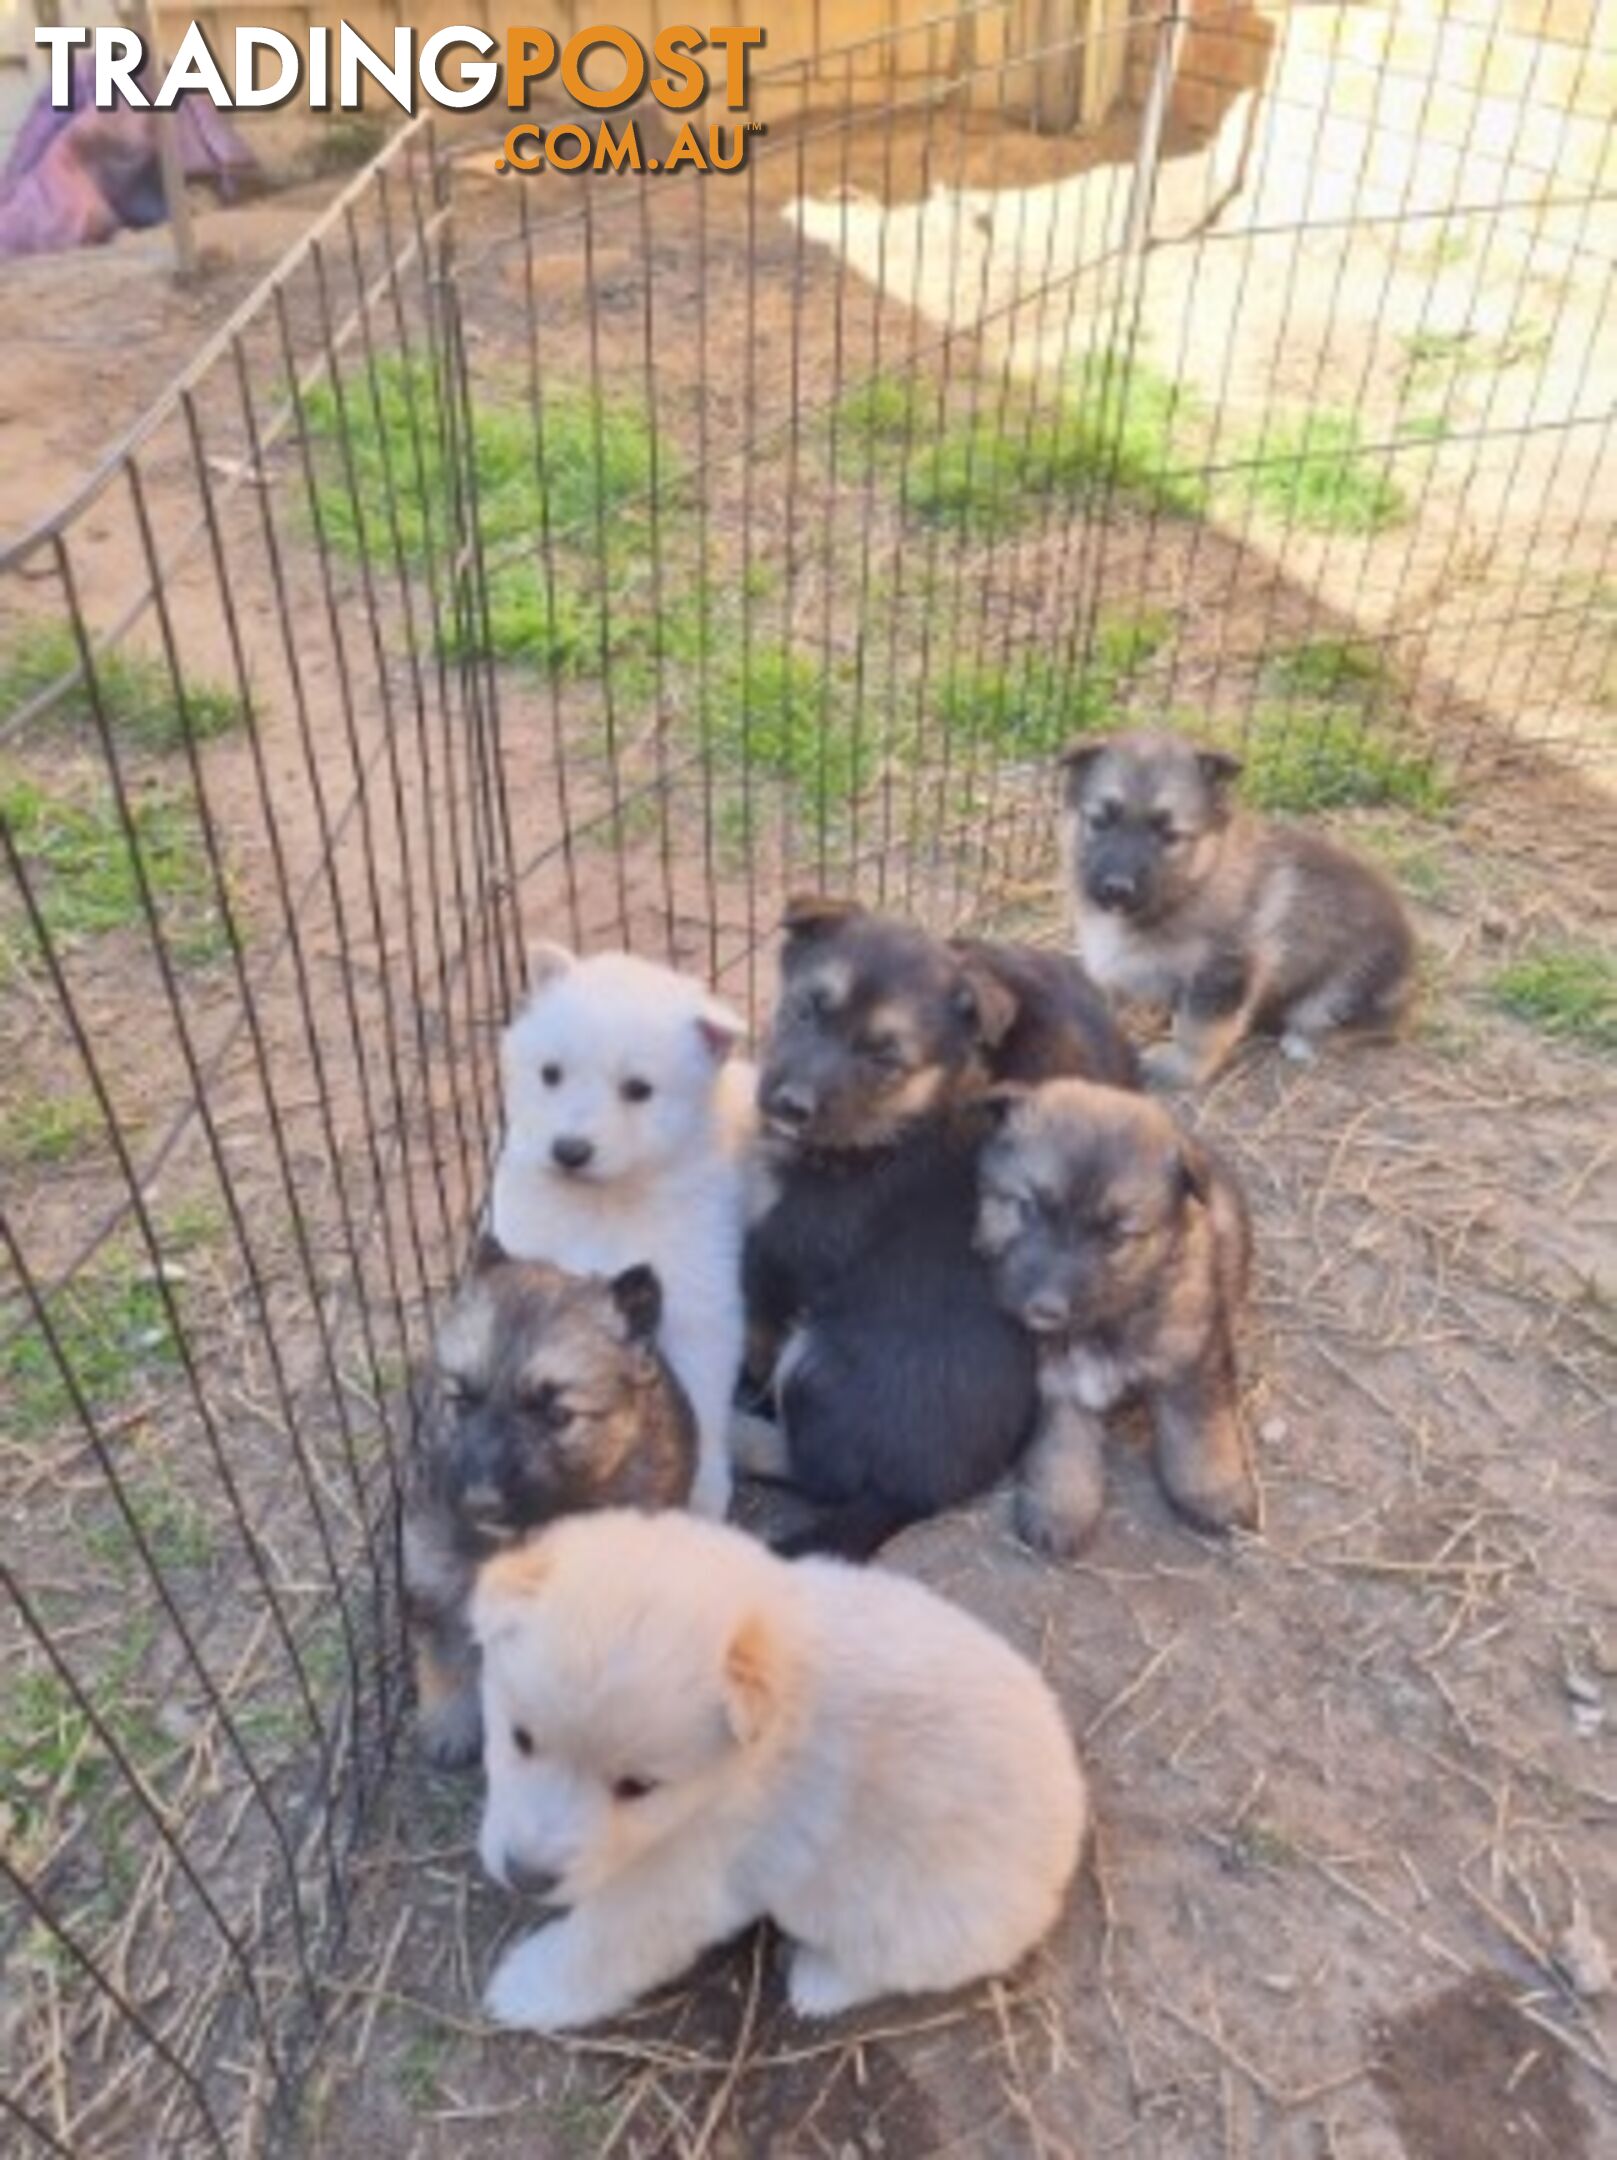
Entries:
{"x":1193,"y":1172}
{"x":547,"y":962}
{"x":1075,"y":762}
{"x":720,"y":1028}
{"x":753,"y":1680}
{"x":505,"y":1591}
{"x":1219,"y":769}
{"x":812,"y":915}
{"x":987,"y":1001}
{"x":638,"y":1295}
{"x":487,"y":1253}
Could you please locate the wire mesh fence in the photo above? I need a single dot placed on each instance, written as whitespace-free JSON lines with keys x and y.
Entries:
{"x":602,"y":559}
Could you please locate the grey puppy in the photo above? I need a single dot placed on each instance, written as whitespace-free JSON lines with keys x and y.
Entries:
{"x":552,"y":1398}
{"x":1237,"y":925}
{"x":1123,"y":1246}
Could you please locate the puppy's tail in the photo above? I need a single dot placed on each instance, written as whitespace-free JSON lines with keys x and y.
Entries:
{"x":852,"y":1529}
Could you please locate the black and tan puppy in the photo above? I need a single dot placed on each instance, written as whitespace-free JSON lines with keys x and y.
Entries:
{"x":1236,"y":925}
{"x":553,"y":1398}
{"x":1123,"y":1246}
{"x":900,"y":1385}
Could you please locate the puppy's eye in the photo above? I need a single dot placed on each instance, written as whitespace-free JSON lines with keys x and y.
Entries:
{"x":1162,"y":826}
{"x":555,"y":1415}
{"x":460,"y":1394}
{"x":1102,"y":815}
{"x":550,"y":1075}
{"x":818,"y":1001}
{"x":522,"y":1739}
{"x":636,"y":1091}
{"x":882,"y":1049}
{"x":628,"y":1789}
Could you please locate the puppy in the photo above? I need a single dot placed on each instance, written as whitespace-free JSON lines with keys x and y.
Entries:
{"x":1124,"y":1248}
{"x":1236,"y":925}
{"x":625,"y":1144}
{"x":901,"y":1388}
{"x":687,"y":1734}
{"x":552,"y":1398}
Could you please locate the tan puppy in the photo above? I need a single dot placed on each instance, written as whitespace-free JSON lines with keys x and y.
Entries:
{"x":686,"y":1734}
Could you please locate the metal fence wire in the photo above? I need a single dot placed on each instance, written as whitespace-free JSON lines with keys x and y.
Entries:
{"x":601,"y":558}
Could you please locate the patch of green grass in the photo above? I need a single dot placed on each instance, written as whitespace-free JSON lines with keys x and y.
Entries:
{"x":1315,"y":472}
{"x":348,"y":140}
{"x":1332,"y":670}
{"x":576,"y":465}
{"x":1412,"y":860}
{"x":1031,"y":706}
{"x":1565,"y":990}
{"x":137,"y":693}
{"x":38,"y":1129}
{"x":53,"y":1767}
{"x":175,"y":1528}
{"x":1119,"y":428}
{"x":888,"y":409}
{"x":80,"y":863}
{"x":778,"y":710}
{"x":115,"y":1334}
{"x":420,"y":2065}
{"x":1333,"y":758}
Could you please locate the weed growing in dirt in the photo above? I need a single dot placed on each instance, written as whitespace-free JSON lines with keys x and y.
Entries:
{"x":1031,"y":706}
{"x":1440,"y":357}
{"x":420,"y":2067}
{"x":137,"y":694}
{"x":1333,"y":758}
{"x":1316,"y":472}
{"x":39,"y":1130}
{"x":1566,"y":990}
{"x":114,"y":1332}
{"x":82,"y":871}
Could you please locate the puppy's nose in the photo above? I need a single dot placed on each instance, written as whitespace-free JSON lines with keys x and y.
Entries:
{"x":1116,"y":892}
{"x":571,"y":1151}
{"x":787,"y":1103}
{"x":1044,"y":1313}
{"x":530,"y":1881}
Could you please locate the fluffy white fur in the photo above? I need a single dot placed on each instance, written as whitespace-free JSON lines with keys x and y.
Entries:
{"x":689,"y":1733}
{"x":664,"y":1185}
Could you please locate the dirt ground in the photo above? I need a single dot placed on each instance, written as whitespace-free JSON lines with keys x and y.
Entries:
{"x":1356,"y":1777}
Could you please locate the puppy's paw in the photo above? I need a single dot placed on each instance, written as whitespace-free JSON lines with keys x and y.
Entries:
{"x":1218,"y":1506}
{"x":530,"y":1988}
{"x":1300,"y":1049}
{"x":451,"y":1730}
{"x":758,"y":1447}
{"x":817,"y":1988}
{"x":1059,"y":1525}
{"x":710,"y":1495}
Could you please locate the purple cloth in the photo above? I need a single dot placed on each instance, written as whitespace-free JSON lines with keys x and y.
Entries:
{"x":76,"y":177}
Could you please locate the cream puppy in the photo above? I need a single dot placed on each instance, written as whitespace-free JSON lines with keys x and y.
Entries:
{"x":686,"y":1734}
{"x":626,"y":1131}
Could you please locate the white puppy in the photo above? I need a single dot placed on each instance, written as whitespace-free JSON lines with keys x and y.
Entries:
{"x":686,"y":1733}
{"x":625,"y":1137}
